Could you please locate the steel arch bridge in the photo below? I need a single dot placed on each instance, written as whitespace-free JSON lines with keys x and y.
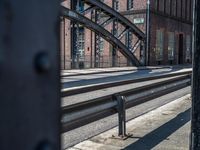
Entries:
{"x":98,"y":25}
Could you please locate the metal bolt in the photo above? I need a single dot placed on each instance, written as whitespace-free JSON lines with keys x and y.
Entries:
{"x":44,"y":145}
{"x":42,"y":62}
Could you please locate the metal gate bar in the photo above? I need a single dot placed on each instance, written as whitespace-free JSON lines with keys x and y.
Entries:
{"x":195,"y":131}
{"x":29,"y":75}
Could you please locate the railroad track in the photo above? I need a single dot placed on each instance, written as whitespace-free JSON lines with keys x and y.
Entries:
{"x":77,"y":115}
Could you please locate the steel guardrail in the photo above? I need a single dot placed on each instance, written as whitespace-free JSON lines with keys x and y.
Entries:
{"x":80,"y":114}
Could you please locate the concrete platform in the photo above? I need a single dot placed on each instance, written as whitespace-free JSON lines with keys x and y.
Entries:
{"x":165,"y":128}
{"x":75,"y":72}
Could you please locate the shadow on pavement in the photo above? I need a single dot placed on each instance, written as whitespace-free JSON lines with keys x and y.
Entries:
{"x":158,"y":135}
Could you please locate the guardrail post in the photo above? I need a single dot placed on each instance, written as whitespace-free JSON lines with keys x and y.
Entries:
{"x":121,"y":116}
{"x":121,"y":108}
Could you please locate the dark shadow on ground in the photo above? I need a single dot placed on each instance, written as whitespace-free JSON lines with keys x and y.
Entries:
{"x":155,"y":137}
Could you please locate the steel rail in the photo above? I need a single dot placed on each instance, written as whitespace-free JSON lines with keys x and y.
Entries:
{"x":80,"y":114}
{"x":79,"y":90}
{"x":113,"y":13}
{"x":74,"y":16}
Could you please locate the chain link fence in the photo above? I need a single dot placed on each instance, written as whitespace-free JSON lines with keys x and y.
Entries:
{"x":86,"y":62}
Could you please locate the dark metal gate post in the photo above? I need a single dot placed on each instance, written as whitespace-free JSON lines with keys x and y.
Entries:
{"x":195,"y":131}
{"x":29,"y":75}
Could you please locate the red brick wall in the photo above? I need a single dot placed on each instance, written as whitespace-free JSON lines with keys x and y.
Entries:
{"x":168,"y":25}
{"x":108,"y":2}
{"x":139,"y":4}
{"x":158,"y":21}
{"x":122,"y":5}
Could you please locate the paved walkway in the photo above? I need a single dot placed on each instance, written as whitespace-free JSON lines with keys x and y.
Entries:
{"x":165,"y":128}
{"x":75,"y":72}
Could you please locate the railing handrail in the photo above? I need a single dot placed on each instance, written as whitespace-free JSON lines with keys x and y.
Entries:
{"x":93,"y":110}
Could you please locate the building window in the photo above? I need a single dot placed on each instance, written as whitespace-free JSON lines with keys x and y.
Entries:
{"x":164,"y":7}
{"x":116,"y":5}
{"x":159,"y":45}
{"x":174,"y":8}
{"x":80,"y":6}
{"x":81,"y":43}
{"x":170,"y":9}
{"x":129,"y":39}
{"x":188,"y":9}
{"x":101,"y":45}
{"x":188,"y":48}
{"x":115,"y":28}
{"x":115,"y":32}
{"x":171,"y":45}
{"x":161,"y":5}
{"x":130,"y":4}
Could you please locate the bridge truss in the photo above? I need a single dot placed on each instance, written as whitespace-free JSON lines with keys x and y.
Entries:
{"x":103,"y":17}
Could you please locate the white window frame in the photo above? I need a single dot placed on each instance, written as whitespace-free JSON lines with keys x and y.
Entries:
{"x":101,"y":45}
{"x":129,"y":4}
{"x":188,"y":47}
{"x":81,"y":43}
{"x":159,"y":45}
{"x":171,"y":45}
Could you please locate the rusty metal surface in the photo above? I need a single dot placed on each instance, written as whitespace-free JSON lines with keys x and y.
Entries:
{"x":29,"y":75}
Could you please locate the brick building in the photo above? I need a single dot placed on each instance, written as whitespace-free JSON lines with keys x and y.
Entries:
{"x":169,"y":34}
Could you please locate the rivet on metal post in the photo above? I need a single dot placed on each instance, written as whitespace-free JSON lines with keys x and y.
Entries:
{"x":121,"y":100}
{"x":44,"y":145}
{"x":42,"y":62}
